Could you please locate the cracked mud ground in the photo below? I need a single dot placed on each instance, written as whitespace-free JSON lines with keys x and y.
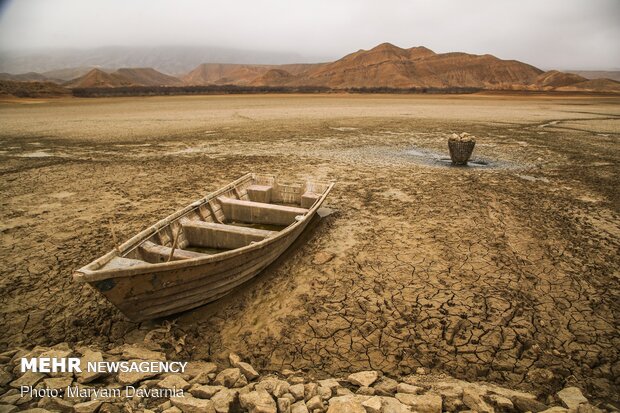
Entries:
{"x":506,"y":273}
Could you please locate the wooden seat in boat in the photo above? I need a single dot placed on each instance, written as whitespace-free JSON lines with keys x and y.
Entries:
{"x":221,"y":236}
{"x":152,"y":252}
{"x":259,"y":212}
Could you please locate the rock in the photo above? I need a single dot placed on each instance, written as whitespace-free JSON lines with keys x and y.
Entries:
{"x":299,"y":407}
{"x":424,"y":403}
{"x":127,"y":378}
{"x":228,"y":377}
{"x":5,"y":378}
{"x":172,"y":409}
{"x":87,"y":407}
{"x":329,"y":383}
{"x":247,"y":370}
{"x":204,"y":392}
{"x":363,"y":378}
{"x":392,"y":405}
{"x":346,"y":404}
{"x":588,"y":408}
{"x":366,"y":391}
{"x":194,"y":368}
{"x":7,"y":408}
{"x":540,"y":377}
{"x":174,"y":381}
{"x":89,"y":356}
{"x":224,"y":400}
{"x":325,"y":392}
{"x":295,"y":379}
{"x":55,"y":404}
{"x":284,"y":405}
{"x":373,"y":405}
{"x":258,"y":401}
{"x":501,"y":402}
{"x":58,"y":382}
{"x":343,"y":391}
{"x":315,"y":403}
{"x":421,"y":371}
{"x":190,"y":404}
{"x":385,"y":386}
{"x":555,"y":409}
{"x":29,"y":379}
{"x":408,"y":389}
{"x":275,"y":387}
{"x":297,"y":391}
{"x":109,"y":408}
{"x":473,"y":399}
{"x":571,"y":397}
{"x":234,"y":360}
{"x":136,"y":352}
{"x":310,"y":390}
{"x":322,"y":257}
{"x":525,"y":404}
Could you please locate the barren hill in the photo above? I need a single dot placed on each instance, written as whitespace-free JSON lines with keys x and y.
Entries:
{"x":123,"y":77}
{"x":235,"y":74}
{"x":553,"y":79}
{"x":595,"y":85}
{"x":31,"y":89}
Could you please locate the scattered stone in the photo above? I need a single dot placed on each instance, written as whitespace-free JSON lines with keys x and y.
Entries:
{"x":363,"y":378}
{"x":172,"y":409}
{"x":173,"y":381}
{"x":109,"y":408}
{"x":343,"y":391}
{"x":7,"y":408}
{"x":408,"y":389}
{"x":284,"y":405}
{"x":297,"y":391}
{"x":555,"y":409}
{"x":224,"y":400}
{"x":29,"y":379}
{"x":366,"y":391}
{"x":526,"y":404}
{"x":310,"y":390}
{"x":392,"y":405}
{"x":247,"y":370}
{"x":234,"y":360}
{"x":348,"y":404}
{"x":276,"y":387}
{"x":501,"y":402}
{"x":296,"y":380}
{"x":473,"y":399}
{"x":228,"y":377}
{"x":421,"y":371}
{"x":204,"y":392}
{"x":87,"y":407}
{"x":385,"y":386}
{"x":89,"y":356}
{"x":322,"y":257}
{"x":5,"y":378}
{"x":315,"y":403}
{"x":373,"y":405}
{"x":258,"y":401}
{"x":190,"y":404}
{"x":329,"y":383}
{"x":136,"y":352}
{"x":58,"y":382}
{"x":127,"y":378}
{"x":325,"y":392}
{"x":571,"y":397}
{"x":55,"y":404}
{"x":299,"y":407}
{"x":195,"y":368}
{"x":425,"y":403}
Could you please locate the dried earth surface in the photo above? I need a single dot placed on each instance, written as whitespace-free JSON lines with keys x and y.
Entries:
{"x":505,"y":271}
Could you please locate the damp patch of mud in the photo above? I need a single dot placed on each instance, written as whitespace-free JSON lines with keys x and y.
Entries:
{"x":431,"y":158}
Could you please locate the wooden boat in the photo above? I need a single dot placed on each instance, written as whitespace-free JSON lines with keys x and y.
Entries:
{"x":205,"y":250}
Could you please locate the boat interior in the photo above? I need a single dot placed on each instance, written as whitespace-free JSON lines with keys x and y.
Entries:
{"x":249,"y":210}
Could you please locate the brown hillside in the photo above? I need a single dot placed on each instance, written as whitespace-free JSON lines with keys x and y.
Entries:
{"x":123,"y":77}
{"x":554,"y":78}
{"x":389,"y":66}
{"x":595,"y":85}
{"x":236,"y":74}
{"x":27,"y":77}
{"x":271,"y":77}
{"x":31,"y":89}
{"x":147,"y":77}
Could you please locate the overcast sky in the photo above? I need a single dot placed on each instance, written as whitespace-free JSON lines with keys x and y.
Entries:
{"x":564,"y":34}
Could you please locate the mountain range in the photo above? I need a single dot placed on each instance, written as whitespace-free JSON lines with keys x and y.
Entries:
{"x":384,"y":66}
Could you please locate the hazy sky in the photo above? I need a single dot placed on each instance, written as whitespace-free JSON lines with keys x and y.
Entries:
{"x":564,"y":34}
